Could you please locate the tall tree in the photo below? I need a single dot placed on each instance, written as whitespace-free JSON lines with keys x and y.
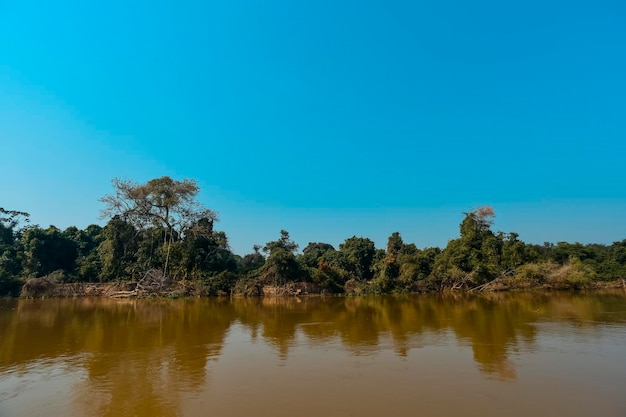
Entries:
{"x":253,"y":260}
{"x":10,"y":219}
{"x":10,"y":249}
{"x":281,"y":265}
{"x":388,"y":267}
{"x":161,"y":202}
{"x":283,"y":243}
{"x":313,"y":252}
{"x":358,"y":256}
{"x":473,"y":258}
{"x":87,"y":241}
{"x":118,"y":250}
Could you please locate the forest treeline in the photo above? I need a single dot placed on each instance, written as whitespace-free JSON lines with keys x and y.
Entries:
{"x":159,"y":230}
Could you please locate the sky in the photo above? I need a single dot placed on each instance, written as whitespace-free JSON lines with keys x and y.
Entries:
{"x":329,"y":119}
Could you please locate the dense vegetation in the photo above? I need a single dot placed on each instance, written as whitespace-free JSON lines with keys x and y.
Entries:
{"x":159,"y":226}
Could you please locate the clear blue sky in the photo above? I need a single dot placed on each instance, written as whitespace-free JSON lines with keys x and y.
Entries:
{"x":325,"y":118}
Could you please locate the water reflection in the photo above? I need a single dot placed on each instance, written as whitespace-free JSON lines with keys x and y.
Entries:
{"x":144,"y":357}
{"x":138,"y":355}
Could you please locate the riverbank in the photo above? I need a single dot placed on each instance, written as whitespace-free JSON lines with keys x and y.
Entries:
{"x":43,"y":288}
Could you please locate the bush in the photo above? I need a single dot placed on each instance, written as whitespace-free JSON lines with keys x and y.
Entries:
{"x":9,"y":286}
{"x":247,"y":287}
{"x":574,"y":274}
{"x":220,"y":284}
{"x":534,"y":273}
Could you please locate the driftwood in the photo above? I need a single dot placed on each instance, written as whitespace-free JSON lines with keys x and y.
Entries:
{"x":154,"y":283}
{"x":459,"y":283}
{"x":482,"y":287}
{"x":124,"y":294}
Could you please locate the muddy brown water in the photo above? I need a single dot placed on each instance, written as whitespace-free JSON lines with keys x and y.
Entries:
{"x":513,"y":354}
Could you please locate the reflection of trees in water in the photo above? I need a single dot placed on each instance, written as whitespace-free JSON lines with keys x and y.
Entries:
{"x":144,"y":385}
{"x":160,"y":352}
{"x":139,"y":355}
{"x":491,"y":327}
{"x":276,"y":319}
{"x":493,"y":324}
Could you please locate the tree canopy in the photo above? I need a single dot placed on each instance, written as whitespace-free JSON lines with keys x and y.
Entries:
{"x":161,"y":226}
{"x":159,"y":202}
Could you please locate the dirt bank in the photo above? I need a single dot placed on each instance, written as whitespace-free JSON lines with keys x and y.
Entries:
{"x":42,"y":288}
{"x":45,"y":288}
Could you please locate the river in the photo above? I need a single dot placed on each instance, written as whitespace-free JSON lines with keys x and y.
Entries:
{"x":514,"y":354}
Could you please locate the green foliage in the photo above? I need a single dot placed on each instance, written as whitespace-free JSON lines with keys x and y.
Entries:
{"x":219,"y":284}
{"x":514,"y":252}
{"x":535,"y":273}
{"x":314,"y":252}
{"x":160,"y":226}
{"x":357,"y":256}
{"x":47,"y":250}
{"x":160,"y":203}
{"x":118,"y":250}
{"x":88,"y":265}
{"x":574,"y":274}
{"x":415,"y":267}
{"x":11,"y":250}
{"x":480,"y":256}
{"x":281,"y":266}
{"x":247,"y":287}
{"x":387,"y":267}
{"x":330,"y":278}
{"x":284,"y":243}
{"x":608,"y":262}
{"x":203,"y":250}
{"x":252,"y":261}
{"x":10,"y":219}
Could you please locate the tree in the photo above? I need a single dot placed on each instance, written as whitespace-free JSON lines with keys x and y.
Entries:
{"x":283,"y":243}
{"x":281,"y":265}
{"x":472,"y":259}
{"x":10,"y":235}
{"x":313,"y":252}
{"x":206,"y":250}
{"x":388,"y":267}
{"x":10,"y":219}
{"x":161,"y":202}
{"x":358,"y":256}
{"x":87,"y":241}
{"x":253,"y":260}
{"x":48,"y":250}
{"x":118,"y":249}
{"x":514,"y":252}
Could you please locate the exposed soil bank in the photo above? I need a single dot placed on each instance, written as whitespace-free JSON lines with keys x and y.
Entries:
{"x":43,"y":288}
{"x":49,"y":288}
